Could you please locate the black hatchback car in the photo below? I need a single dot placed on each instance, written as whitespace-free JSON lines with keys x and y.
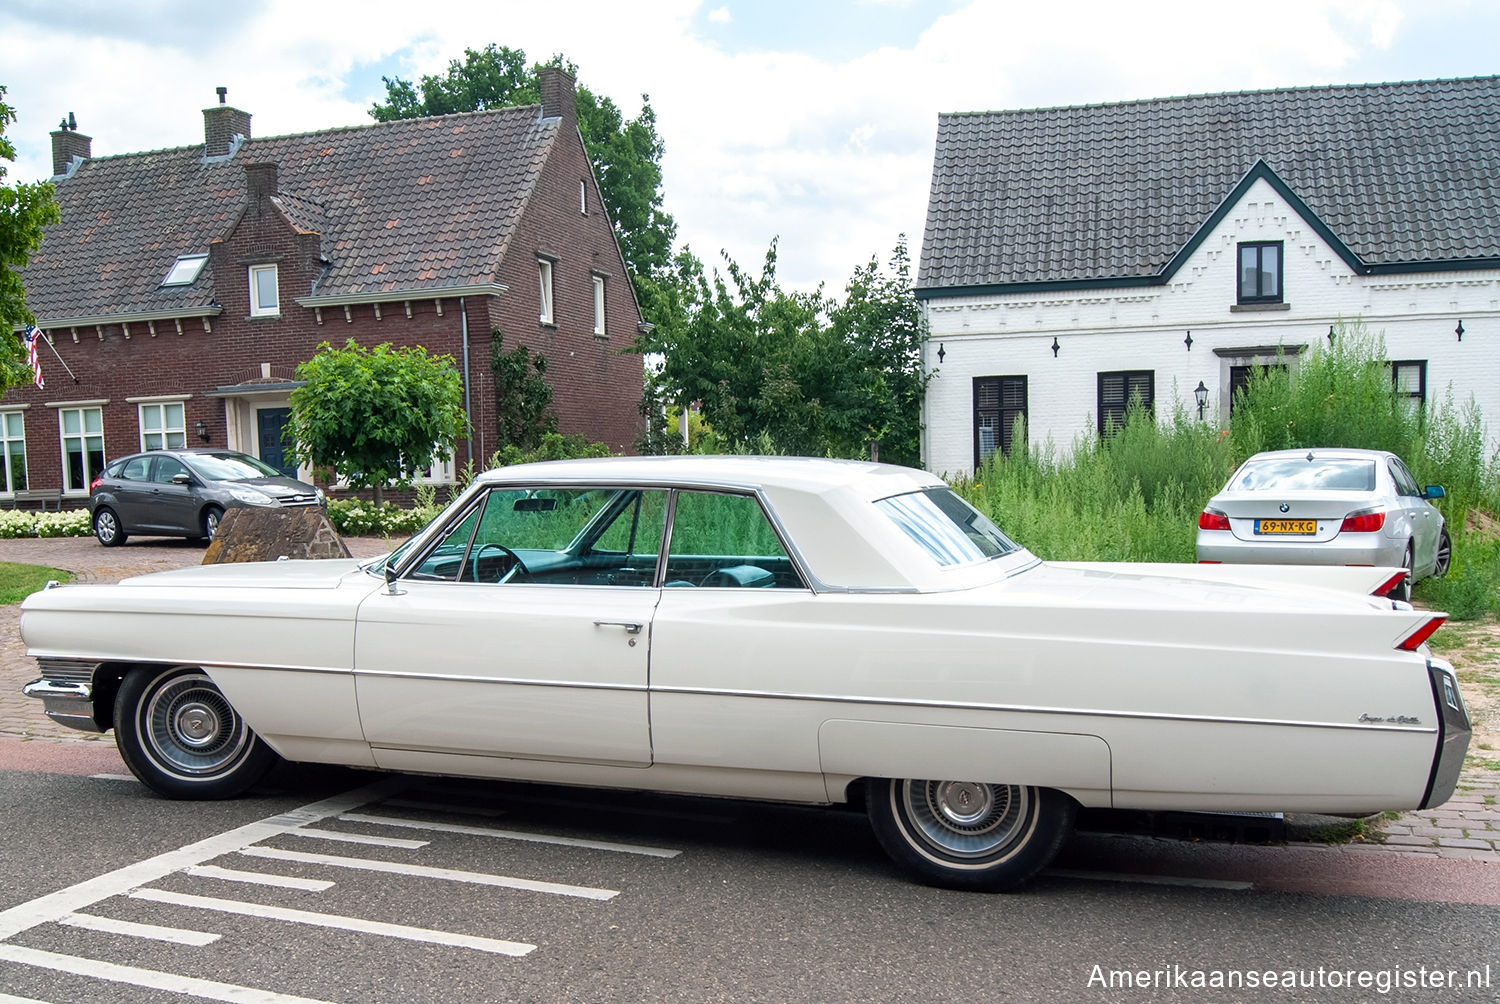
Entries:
{"x":182,"y":493}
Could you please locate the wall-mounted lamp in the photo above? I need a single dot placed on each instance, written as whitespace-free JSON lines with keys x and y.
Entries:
{"x":941,"y":352}
{"x":202,"y":430}
{"x":1055,"y":346}
{"x":1188,"y":341}
{"x":1201,"y":393}
{"x":1330,"y":336}
{"x":1460,"y":330}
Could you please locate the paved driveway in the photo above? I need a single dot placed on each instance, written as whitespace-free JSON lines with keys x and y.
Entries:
{"x":21,"y":717}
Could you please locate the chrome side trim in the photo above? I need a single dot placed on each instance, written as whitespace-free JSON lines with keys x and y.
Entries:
{"x":66,"y":703}
{"x":393,"y":674}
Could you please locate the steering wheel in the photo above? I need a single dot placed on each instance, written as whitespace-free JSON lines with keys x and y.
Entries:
{"x":517,"y":566}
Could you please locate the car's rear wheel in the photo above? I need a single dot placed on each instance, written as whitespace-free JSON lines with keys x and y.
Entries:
{"x":969,"y":834}
{"x":107,"y":527}
{"x":1444,"y":555}
{"x":211,"y":517}
{"x":182,"y":738}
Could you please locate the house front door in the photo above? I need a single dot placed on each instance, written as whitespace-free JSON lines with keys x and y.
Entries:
{"x":270,"y":423}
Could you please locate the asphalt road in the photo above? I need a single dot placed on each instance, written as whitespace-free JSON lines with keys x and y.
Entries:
{"x":507,"y":892}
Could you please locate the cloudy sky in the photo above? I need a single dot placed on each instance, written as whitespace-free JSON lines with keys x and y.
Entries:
{"x":811,"y":120}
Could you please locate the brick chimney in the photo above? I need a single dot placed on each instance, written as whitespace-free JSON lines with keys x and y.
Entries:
{"x":558,"y":96}
{"x":260,"y":181}
{"x":68,"y":143}
{"x":221,"y":124}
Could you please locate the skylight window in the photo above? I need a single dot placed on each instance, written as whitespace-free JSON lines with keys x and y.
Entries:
{"x":185,"y":269}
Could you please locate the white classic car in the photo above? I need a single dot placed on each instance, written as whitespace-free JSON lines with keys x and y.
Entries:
{"x":779,"y":628}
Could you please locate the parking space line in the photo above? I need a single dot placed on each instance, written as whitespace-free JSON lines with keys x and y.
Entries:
{"x":258,"y":878}
{"x":356,"y":838}
{"x":597,"y":808}
{"x":112,"y":777}
{"x":461,"y":810}
{"x":109,"y":925}
{"x":48,"y":908}
{"x":10,"y":999}
{"x":1178,"y":880}
{"x":426,"y":871}
{"x":148,"y":978}
{"x":421,"y":934}
{"x":483,"y":831}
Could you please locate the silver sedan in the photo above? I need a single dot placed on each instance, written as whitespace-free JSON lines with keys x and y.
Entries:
{"x":1327,"y":507}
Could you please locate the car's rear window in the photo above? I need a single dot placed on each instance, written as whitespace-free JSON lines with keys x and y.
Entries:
{"x":950,"y":530}
{"x":1298,"y":474}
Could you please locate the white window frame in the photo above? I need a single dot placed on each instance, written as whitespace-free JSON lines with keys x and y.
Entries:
{"x":598,"y":304}
{"x":185,"y":270}
{"x":83,"y":436}
{"x":583,"y":197}
{"x":168,"y":435}
{"x":544,"y":279}
{"x":257,"y":307}
{"x":7,"y":441}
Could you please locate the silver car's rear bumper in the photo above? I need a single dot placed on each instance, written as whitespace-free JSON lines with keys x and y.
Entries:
{"x":1345,"y":549}
{"x":65,"y":702}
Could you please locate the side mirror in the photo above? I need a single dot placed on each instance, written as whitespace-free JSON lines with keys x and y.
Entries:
{"x":182,"y":478}
{"x":1434,"y":492}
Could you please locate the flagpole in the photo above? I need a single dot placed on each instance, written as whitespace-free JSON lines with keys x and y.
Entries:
{"x":48,"y":339}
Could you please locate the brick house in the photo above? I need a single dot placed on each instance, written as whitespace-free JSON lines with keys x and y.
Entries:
{"x":182,"y":287}
{"x":1076,"y":256}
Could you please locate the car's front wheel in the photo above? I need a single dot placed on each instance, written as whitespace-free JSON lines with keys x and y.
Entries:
{"x":969,"y":834}
{"x":182,"y":738}
{"x":107,"y":527}
{"x":211,"y":517}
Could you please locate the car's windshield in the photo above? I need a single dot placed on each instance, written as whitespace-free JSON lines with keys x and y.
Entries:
{"x":1297,"y":474}
{"x":229,"y":467}
{"x":950,"y":530}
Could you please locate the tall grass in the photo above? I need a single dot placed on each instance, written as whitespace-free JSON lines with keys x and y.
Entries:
{"x":1135,"y":493}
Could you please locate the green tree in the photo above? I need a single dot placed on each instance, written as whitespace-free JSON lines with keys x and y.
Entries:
{"x":882,"y":322}
{"x":626,"y":153}
{"x":523,"y":397}
{"x":24,"y":210}
{"x":372,"y":416}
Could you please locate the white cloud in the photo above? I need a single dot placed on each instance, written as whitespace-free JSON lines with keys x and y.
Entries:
{"x":719,"y":15}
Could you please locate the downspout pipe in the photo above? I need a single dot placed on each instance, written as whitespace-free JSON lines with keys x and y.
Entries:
{"x":463,"y":314}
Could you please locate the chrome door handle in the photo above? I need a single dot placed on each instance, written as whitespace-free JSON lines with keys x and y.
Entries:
{"x":630,"y":626}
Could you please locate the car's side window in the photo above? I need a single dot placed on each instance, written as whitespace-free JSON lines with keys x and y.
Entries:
{"x":725,"y":541}
{"x":135,"y":470}
{"x":166,"y":469}
{"x":1405,"y":483}
{"x":553,"y":536}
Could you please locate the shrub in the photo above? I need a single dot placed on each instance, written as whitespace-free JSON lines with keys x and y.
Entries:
{"x":28,"y":523}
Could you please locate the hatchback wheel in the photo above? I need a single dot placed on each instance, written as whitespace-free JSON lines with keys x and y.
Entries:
{"x":107,"y":527}
{"x":211,"y":517}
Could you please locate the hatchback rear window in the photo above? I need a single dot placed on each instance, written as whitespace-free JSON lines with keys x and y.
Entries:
{"x":1298,"y":474}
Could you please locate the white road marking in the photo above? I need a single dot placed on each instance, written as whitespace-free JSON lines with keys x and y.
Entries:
{"x":113,"y":777}
{"x":357,"y":924}
{"x":259,"y":878}
{"x":461,"y":810}
{"x":356,"y":838}
{"x":109,"y":925}
{"x":47,"y":909}
{"x":629,"y":810}
{"x":425,"y":871}
{"x":483,"y":831}
{"x":149,"y":978}
{"x":1178,"y":880}
{"x":9,"y":999}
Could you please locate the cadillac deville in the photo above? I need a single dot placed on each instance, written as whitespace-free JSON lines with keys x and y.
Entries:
{"x":777,"y":628}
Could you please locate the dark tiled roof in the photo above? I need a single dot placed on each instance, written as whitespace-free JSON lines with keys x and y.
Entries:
{"x":1399,"y":172}
{"x":416,"y":205}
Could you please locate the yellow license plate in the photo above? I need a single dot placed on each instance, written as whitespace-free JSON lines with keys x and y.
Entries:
{"x":1303,"y":526}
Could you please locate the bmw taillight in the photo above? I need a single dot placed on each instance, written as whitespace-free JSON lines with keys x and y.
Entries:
{"x":1424,"y":631}
{"x":1367,"y":521}
{"x":1213,"y":519}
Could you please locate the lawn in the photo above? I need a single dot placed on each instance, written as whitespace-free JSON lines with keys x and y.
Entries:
{"x":19,"y":581}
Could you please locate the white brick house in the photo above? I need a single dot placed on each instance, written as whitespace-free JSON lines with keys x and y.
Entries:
{"x":1073,"y":256}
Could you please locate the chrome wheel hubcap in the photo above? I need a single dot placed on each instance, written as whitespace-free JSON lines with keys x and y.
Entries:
{"x":188,"y":727}
{"x":966,"y":819}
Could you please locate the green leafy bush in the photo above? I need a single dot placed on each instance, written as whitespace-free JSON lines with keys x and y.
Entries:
{"x":28,"y":523}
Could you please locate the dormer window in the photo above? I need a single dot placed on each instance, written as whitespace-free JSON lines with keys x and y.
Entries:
{"x":184,"y":271}
{"x":265,"y":299}
{"x":1260,"y":272}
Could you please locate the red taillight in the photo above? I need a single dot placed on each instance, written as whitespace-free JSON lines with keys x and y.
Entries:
{"x":94,"y":485}
{"x":1213,"y":519}
{"x":1411,"y":642}
{"x":1389,"y":584}
{"x":1362,"y":522}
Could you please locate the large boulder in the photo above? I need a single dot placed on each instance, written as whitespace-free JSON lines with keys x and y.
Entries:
{"x":255,"y":534}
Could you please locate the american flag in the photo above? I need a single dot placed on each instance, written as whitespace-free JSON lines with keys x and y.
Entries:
{"x":34,"y":335}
